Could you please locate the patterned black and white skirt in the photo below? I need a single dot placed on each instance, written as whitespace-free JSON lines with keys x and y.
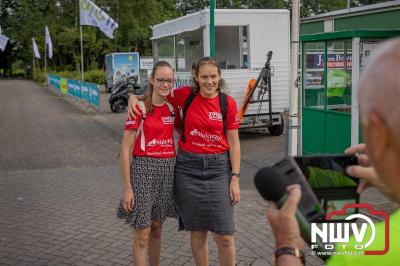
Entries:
{"x":152,"y":181}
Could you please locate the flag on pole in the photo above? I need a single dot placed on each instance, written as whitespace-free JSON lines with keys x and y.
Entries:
{"x":3,"y":42}
{"x":92,"y":15}
{"x":49,"y":43}
{"x":35,"y":49}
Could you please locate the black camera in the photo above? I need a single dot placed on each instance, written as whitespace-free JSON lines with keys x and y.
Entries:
{"x":326,"y":175}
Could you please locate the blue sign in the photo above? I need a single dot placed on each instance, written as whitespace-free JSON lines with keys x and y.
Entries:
{"x":54,"y":81}
{"x":88,"y":92}
{"x":94,"y":94}
{"x":334,"y":60}
{"x":74,"y":88}
{"x":85,"y":91}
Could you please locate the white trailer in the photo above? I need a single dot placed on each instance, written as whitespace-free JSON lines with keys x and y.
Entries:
{"x":243,"y":37}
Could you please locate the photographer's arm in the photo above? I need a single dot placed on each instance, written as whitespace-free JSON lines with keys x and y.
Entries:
{"x":365,"y":171}
{"x":285,"y":227}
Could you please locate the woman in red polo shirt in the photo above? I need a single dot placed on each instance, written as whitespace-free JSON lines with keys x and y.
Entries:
{"x":148,"y":181}
{"x":207,"y":164}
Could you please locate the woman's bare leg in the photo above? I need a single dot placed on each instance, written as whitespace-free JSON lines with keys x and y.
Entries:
{"x":155,"y":244}
{"x":199,"y":244}
{"x":140,"y":246}
{"x":226,"y":249}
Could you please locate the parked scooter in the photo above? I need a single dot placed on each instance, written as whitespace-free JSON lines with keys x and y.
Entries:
{"x":119,"y":95}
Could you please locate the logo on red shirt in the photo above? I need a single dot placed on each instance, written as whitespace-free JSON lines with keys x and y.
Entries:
{"x":167,"y":120}
{"x":162,"y":142}
{"x":215,"y":116}
{"x":206,"y":136}
{"x":130,"y":122}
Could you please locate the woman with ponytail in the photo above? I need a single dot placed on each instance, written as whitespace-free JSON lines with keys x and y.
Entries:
{"x":147,"y":160}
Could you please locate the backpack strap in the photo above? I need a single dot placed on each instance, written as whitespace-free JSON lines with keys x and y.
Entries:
{"x":171,"y":109}
{"x":189,"y":100}
{"x":140,"y":128}
{"x":223,"y":104}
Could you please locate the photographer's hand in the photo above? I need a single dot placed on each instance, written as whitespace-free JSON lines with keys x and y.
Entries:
{"x":284,"y":225}
{"x":365,"y":172}
{"x":361,"y":151}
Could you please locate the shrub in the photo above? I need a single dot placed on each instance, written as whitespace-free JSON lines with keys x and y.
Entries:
{"x":39,"y":76}
{"x":96,"y":76}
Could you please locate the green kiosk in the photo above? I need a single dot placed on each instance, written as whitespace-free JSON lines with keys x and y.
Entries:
{"x":345,"y":40}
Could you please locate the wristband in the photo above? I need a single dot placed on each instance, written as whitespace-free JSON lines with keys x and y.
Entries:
{"x":290,"y":251}
{"x":237,"y":174}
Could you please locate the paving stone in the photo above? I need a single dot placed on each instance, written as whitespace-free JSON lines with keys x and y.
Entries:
{"x":67,"y":215}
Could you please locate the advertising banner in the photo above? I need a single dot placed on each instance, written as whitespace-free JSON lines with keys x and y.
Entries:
{"x":74,"y":88}
{"x":54,"y":81}
{"x":86,"y":91}
{"x":125,"y":64}
{"x":94,"y":94}
{"x":334,"y":61}
{"x":63,"y":86}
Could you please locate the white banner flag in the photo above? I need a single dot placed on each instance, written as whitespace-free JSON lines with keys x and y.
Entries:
{"x":48,"y":42}
{"x":35,"y":49}
{"x":92,"y":15}
{"x":3,"y":42}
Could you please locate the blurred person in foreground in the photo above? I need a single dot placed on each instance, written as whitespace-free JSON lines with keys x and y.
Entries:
{"x":379,"y":162}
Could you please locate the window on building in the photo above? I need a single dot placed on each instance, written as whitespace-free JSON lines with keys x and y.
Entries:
{"x":338,"y":93}
{"x":163,"y":49}
{"x":189,"y":49}
{"x":313,"y":79}
{"x":231,"y":47}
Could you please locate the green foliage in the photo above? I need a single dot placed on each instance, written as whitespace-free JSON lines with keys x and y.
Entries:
{"x":67,"y":74}
{"x":18,"y":73}
{"x":23,"y":19}
{"x":328,"y":179}
{"x":40,"y":77}
{"x":97,"y":76}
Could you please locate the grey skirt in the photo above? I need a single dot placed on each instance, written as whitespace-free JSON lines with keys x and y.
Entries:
{"x":202,"y":190}
{"x":152,"y":181}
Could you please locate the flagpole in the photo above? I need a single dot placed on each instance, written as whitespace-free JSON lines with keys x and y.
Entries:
{"x":45,"y":61}
{"x":82,"y":70}
{"x":34,"y":68}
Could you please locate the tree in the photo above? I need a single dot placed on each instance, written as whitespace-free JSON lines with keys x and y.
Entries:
{"x":23,"y":19}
